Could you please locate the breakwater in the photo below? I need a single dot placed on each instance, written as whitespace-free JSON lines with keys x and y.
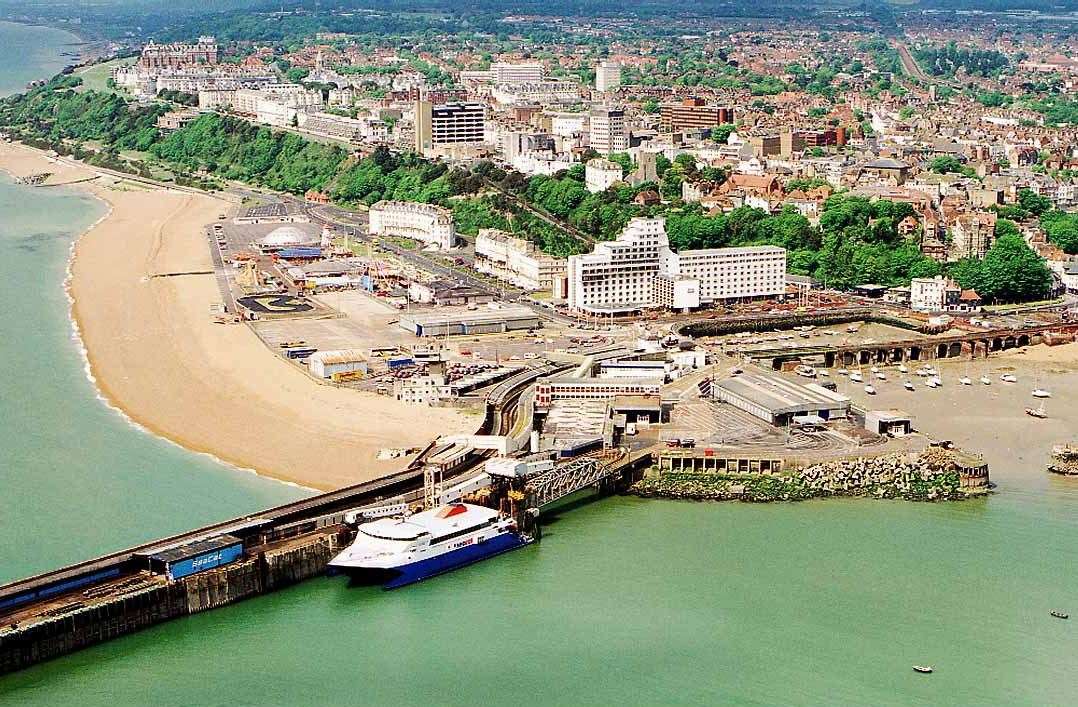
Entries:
{"x":144,"y":599}
{"x":935,"y":474}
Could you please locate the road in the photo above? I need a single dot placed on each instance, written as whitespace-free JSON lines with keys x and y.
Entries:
{"x":356,"y":225}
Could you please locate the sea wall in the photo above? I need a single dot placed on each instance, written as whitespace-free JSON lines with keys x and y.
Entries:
{"x":932,"y":475}
{"x":147,"y":599}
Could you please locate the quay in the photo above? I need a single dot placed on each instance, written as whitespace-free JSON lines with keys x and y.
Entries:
{"x":61,"y":611}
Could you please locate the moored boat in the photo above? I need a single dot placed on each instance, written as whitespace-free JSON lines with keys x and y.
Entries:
{"x":1041,"y":393}
{"x":406,"y":549}
{"x":923,"y":668}
{"x":908,"y":385}
{"x":1060,"y":614}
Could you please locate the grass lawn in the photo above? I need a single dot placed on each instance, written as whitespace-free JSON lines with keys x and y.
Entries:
{"x":95,"y":78}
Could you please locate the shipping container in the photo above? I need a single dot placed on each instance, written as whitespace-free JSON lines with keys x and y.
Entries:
{"x":582,"y":447}
{"x":299,"y":352}
{"x":196,"y":557}
{"x":395,"y":363}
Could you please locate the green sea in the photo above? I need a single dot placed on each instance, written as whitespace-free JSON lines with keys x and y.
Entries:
{"x":625,"y":601}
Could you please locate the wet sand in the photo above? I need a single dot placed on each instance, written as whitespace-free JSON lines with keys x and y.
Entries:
{"x":157,"y":355}
{"x":991,"y":419}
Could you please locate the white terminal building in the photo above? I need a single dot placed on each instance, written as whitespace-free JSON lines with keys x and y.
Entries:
{"x":422,"y":222}
{"x":639,"y":271}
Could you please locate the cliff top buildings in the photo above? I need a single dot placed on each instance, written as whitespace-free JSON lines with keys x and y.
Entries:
{"x":426,"y":223}
{"x":178,"y":55}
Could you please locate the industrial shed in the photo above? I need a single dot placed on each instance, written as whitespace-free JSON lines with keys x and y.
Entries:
{"x":488,"y":321}
{"x":326,"y":364}
{"x":777,"y":400}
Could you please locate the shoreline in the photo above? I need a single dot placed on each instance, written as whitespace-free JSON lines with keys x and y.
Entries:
{"x":294,"y":431}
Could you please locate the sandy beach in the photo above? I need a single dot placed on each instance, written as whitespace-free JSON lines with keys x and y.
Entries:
{"x":157,"y":355}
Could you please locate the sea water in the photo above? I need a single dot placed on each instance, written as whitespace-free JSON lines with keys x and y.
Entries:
{"x":625,"y":601}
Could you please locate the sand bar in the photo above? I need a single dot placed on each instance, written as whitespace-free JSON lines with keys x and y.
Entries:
{"x":157,"y":355}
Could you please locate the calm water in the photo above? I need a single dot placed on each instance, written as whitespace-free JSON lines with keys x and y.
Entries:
{"x":624,"y":601}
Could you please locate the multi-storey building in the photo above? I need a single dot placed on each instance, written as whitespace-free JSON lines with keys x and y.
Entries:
{"x":248,"y":101}
{"x":600,"y":174}
{"x":608,"y":132}
{"x":617,"y":276}
{"x":442,"y":127}
{"x":692,"y":114}
{"x":178,"y":54}
{"x":551,"y":390}
{"x":727,"y":273}
{"x":517,"y":261}
{"x":639,"y":271}
{"x":607,"y":76}
{"x":528,"y":72}
{"x":542,"y":92}
{"x":422,"y":222}
{"x":973,"y":235}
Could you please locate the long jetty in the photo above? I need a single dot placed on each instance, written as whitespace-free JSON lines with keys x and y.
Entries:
{"x":63,"y":610}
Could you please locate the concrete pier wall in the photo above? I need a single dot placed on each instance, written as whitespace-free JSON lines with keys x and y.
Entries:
{"x":81,"y":622}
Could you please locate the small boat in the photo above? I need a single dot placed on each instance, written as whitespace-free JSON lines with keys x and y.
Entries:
{"x":856,"y":377}
{"x":937,"y":380}
{"x":986,"y":380}
{"x":922,"y":372}
{"x":908,"y":385}
{"x":931,"y":383}
{"x":1037,"y":412}
{"x":903,"y":369}
{"x":1041,"y":393}
{"x":842,"y":372}
{"x":931,"y":371}
{"x":823,"y":374}
{"x":875,"y":369}
{"x":1060,"y":614}
{"x":870,"y":390}
{"x":881,"y":376}
{"x":1008,"y":378}
{"x":965,"y":380}
{"x":923,"y":668}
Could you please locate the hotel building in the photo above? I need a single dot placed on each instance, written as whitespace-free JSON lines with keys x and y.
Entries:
{"x":422,"y":222}
{"x":640,"y":271}
{"x":517,"y":261}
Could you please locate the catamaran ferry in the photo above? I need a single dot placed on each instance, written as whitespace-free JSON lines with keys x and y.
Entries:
{"x":402,"y":550}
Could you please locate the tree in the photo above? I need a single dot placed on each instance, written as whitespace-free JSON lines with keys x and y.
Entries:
{"x":1062,"y":230}
{"x":1012,"y":272}
{"x":721,"y":133}
{"x":945,"y":164}
{"x":1033,"y":202}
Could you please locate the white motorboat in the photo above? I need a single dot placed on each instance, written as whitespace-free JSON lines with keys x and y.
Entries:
{"x":1008,"y":378}
{"x":842,"y":372}
{"x":908,"y":385}
{"x":875,"y":369}
{"x":903,"y":369}
{"x":870,"y":390}
{"x":965,"y":380}
{"x":931,"y":383}
{"x":1041,"y":393}
{"x":856,"y":377}
{"x":986,"y":380}
{"x":881,"y":376}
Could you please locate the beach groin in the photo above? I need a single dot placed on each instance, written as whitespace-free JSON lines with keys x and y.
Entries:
{"x":935,"y":474}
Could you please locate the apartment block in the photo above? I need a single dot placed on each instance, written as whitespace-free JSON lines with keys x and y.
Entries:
{"x":441,"y":127}
{"x":608,"y":132}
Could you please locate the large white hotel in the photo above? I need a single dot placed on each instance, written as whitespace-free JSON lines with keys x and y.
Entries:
{"x":639,"y":271}
{"x":422,"y":222}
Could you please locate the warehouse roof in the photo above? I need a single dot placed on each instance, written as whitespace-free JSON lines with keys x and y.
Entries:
{"x":780,"y":395}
